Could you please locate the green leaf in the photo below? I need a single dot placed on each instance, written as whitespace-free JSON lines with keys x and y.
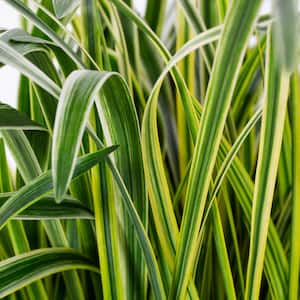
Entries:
{"x":23,"y":42}
{"x":78,"y":95}
{"x":48,"y":209}
{"x":5,"y":178}
{"x":295,"y":247}
{"x":23,"y":154}
{"x":277,"y":88}
{"x":64,"y":7}
{"x":156,"y":177}
{"x":167,"y":96}
{"x":22,"y":48}
{"x":9,"y":56}
{"x":40,"y":24}
{"x":237,"y":29}
{"x":145,"y":244}
{"x":233,"y":153}
{"x":154,"y":15}
{"x":222,"y":253}
{"x":18,"y":271}
{"x":40,"y":186}
{"x":10,"y":118}
{"x":92,"y":31}
{"x":16,"y":232}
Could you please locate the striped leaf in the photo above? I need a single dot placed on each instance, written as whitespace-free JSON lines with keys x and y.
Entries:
{"x":64,"y":7}
{"x":10,"y":118}
{"x":277,"y":88}
{"x":18,"y":271}
{"x":295,"y":247}
{"x":196,"y":76}
{"x":237,"y":27}
{"x":42,"y":185}
{"x":77,"y":97}
{"x":48,"y":209}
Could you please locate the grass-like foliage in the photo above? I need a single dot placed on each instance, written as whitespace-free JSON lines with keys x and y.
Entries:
{"x":157,"y":156}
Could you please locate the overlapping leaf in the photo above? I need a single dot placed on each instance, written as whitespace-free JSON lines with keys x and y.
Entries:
{"x":77,"y":97}
{"x":19,"y":271}
{"x":39,"y":187}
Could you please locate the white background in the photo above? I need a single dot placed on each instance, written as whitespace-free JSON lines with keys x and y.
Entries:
{"x":8,"y":76}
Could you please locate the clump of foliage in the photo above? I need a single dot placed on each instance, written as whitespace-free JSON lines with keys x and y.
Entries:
{"x":157,"y":157}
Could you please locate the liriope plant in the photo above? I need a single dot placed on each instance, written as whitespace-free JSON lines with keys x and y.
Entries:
{"x":157,"y":155}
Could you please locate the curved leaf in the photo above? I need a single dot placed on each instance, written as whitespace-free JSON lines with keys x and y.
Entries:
{"x":39,"y":23}
{"x":48,"y":209}
{"x":10,"y":118}
{"x":238,"y":24}
{"x":64,"y":7}
{"x":37,"y":188}
{"x":277,"y":88}
{"x":19,"y":271}
{"x":77,"y":98}
{"x":9,"y":56}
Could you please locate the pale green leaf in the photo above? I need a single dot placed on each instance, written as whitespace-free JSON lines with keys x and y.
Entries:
{"x":64,"y":7}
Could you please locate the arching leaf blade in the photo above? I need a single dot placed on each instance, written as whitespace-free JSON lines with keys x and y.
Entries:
{"x":19,"y":271}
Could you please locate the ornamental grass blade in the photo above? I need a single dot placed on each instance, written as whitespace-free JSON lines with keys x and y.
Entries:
{"x":158,"y":188}
{"x":21,"y":270}
{"x":76,"y":99}
{"x":237,"y":171}
{"x":159,"y":193}
{"x":222,"y":253}
{"x":48,"y":209}
{"x":21,"y":39}
{"x":78,"y":95}
{"x":22,"y":42}
{"x":154,"y":14}
{"x":144,"y":242}
{"x":243,"y":187}
{"x":237,"y":28}
{"x":43,"y":105}
{"x":275,"y":255}
{"x":104,"y":197}
{"x":27,"y":13}
{"x":233,"y":153}
{"x":199,"y":178}
{"x":5,"y":177}
{"x":295,"y":246}
{"x":29,"y":168}
{"x":119,"y":116}
{"x":9,"y":56}
{"x":16,"y":231}
{"x":63,"y":7}
{"x":10,"y":118}
{"x":276,"y":95}
{"x":40,"y":186}
{"x":27,"y":163}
